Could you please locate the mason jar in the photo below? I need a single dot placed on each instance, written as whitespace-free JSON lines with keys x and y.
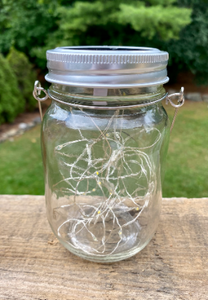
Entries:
{"x":104,"y":140}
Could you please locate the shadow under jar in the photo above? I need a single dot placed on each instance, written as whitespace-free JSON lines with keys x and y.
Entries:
{"x":104,"y":139}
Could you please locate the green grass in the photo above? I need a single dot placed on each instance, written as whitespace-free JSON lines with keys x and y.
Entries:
{"x":21,"y":170}
{"x":187,"y":160}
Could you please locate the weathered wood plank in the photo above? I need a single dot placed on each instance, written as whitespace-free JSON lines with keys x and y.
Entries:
{"x":33,"y":265}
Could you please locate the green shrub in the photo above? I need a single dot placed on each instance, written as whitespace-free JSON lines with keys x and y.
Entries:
{"x":177,"y":26}
{"x":11,"y":99}
{"x":25,"y":74}
{"x":190,"y":52}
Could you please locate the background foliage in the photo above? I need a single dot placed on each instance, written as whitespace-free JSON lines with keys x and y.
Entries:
{"x":190,"y":51}
{"x":33,"y":26}
{"x":25,"y":75}
{"x":178,"y":26}
{"x":11,"y":100}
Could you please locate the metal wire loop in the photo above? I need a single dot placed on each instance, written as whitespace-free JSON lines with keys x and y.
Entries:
{"x":180,"y":103}
{"x":181,"y":99}
{"x":37,"y":91}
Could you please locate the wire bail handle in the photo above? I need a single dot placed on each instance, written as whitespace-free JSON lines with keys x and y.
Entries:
{"x":181,"y":101}
{"x":36,"y":93}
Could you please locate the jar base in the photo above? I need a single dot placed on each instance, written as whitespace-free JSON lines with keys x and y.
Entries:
{"x":114,"y":236}
{"x":106,"y":259}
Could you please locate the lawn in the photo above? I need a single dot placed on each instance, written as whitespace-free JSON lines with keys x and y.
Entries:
{"x":187,"y":161}
{"x":21,"y":170}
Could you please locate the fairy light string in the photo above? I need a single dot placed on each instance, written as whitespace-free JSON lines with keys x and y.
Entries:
{"x":106,"y":176}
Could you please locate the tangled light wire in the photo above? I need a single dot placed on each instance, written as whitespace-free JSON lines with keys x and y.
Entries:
{"x":105,"y":175}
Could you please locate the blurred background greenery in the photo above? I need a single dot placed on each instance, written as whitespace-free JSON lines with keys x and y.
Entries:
{"x":29,"y":27}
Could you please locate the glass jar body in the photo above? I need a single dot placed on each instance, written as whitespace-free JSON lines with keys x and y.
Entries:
{"x":103,"y":177}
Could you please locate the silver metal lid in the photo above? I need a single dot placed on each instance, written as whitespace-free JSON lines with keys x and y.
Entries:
{"x":107,"y":66}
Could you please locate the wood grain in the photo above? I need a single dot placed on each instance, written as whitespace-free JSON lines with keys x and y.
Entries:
{"x":33,"y":265}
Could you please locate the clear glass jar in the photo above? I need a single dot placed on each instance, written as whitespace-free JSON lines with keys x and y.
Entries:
{"x":103,"y":171}
{"x":103,"y":143}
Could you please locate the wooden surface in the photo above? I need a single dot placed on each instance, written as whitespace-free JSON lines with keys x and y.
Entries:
{"x":33,"y":265}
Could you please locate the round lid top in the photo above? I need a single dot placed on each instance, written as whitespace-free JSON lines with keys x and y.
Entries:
{"x":107,"y":66}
